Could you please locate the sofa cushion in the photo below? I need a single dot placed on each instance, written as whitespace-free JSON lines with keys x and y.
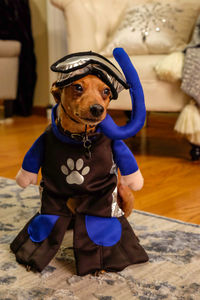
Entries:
{"x":159,"y":95}
{"x":144,"y":64}
{"x":155,"y":28}
{"x":9,"y":48}
{"x":165,"y":97}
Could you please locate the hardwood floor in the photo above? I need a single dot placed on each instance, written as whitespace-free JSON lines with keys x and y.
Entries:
{"x":171,"y":187}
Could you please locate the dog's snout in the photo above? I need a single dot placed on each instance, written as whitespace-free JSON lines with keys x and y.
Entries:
{"x":96,"y":110}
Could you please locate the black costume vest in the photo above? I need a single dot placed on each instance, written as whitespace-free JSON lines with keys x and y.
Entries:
{"x":68,"y":172}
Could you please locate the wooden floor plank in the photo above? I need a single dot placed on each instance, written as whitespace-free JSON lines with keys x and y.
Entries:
{"x":171,"y":187}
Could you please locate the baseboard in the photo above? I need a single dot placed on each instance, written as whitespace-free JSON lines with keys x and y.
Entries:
{"x":39,"y":111}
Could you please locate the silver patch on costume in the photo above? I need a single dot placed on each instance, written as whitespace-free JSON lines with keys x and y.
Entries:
{"x":115,"y":209}
{"x":74,"y":171}
{"x":41,"y":188}
{"x":113,"y":169}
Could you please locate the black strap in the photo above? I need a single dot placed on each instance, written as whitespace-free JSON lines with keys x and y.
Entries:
{"x":80,"y":137}
{"x":68,"y":114}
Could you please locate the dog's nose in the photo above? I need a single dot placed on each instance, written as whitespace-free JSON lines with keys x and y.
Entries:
{"x":96,"y":110}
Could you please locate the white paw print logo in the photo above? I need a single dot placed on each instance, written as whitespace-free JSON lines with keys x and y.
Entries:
{"x":75,"y":171}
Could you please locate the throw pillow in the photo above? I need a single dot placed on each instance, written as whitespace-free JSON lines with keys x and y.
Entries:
{"x":154,"y":28}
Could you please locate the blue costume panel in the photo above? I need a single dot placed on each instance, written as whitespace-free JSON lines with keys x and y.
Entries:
{"x":103,"y":231}
{"x":41,"y":227}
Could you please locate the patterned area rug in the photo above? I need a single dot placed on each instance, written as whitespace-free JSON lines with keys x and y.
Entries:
{"x":173,"y":271}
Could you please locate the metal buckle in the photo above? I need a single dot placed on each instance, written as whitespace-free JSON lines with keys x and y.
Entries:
{"x":87,"y":145}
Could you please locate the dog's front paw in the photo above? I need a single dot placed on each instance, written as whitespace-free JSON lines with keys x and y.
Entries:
{"x":75,"y":171}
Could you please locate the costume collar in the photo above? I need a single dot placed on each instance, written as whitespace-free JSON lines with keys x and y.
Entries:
{"x":70,"y":138}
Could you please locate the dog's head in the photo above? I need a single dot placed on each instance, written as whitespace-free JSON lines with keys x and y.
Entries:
{"x":85,"y":100}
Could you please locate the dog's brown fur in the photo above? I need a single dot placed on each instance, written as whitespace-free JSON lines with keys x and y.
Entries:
{"x":77,"y":99}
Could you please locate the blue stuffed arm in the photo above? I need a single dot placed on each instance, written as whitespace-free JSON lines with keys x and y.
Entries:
{"x":124,"y":158}
{"x":31,"y":163}
{"x":34,"y":157}
{"x":126,"y":162}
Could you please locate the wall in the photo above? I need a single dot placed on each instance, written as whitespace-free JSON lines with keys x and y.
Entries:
{"x":39,"y":30}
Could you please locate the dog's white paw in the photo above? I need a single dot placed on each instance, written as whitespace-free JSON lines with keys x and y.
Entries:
{"x":74,"y":171}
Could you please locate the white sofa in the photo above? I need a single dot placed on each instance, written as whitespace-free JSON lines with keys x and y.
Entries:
{"x":91,"y":25}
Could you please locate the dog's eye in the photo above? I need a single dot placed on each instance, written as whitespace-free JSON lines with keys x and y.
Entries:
{"x":106,"y":92}
{"x":78,"y":88}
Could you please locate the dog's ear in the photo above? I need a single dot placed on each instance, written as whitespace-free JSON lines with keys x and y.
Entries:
{"x":56,"y":92}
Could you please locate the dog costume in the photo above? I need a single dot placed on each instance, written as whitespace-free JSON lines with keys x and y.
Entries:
{"x":84,"y":166}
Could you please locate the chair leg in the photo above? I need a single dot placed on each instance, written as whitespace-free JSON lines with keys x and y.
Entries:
{"x":8,"y":108}
{"x":195,"y":152}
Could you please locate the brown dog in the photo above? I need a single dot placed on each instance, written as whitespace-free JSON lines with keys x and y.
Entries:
{"x":83,"y":105}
